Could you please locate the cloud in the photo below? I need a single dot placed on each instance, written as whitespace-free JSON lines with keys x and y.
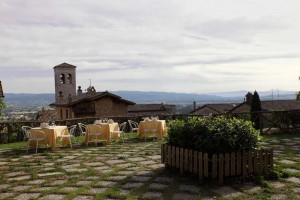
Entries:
{"x":195,"y":37}
{"x":169,"y":45}
{"x":28,"y":72}
{"x":239,"y":30}
{"x":236,"y":59}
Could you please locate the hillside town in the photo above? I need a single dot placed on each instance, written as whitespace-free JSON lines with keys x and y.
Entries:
{"x":71,"y":103}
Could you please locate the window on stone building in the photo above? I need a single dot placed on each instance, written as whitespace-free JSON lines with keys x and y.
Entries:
{"x":62,"y":79}
{"x":67,"y":114}
{"x":69,"y":79}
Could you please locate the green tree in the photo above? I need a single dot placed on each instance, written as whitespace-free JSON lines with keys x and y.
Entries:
{"x":2,"y":105}
{"x":255,"y":107}
{"x":298,"y":96}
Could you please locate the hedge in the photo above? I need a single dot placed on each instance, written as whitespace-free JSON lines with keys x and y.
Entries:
{"x":213,"y":135}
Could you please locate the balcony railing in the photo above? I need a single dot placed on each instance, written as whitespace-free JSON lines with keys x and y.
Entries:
{"x":285,"y":121}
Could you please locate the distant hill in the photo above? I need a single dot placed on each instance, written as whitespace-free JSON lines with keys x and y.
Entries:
{"x":27,"y":100}
{"x":263,"y":94}
{"x":188,"y":98}
{"x":171,"y":97}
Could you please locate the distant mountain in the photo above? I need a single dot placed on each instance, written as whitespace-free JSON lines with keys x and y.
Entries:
{"x":169,"y":97}
{"x":183,"y":98}
{"x":28,"y":100}
{"x":239,"y":93}
{"x":262,"y":94}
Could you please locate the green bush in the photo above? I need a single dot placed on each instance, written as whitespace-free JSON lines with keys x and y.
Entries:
{"x":213,"y":135}
{"x":273,"y":175}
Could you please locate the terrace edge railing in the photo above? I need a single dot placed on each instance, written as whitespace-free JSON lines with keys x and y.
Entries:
{"x":11,"y":131}
{"x":217,"y":166}
{"x":286,"y":121}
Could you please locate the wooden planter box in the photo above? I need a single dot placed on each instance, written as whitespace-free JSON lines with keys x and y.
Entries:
{"x":218,"y":165}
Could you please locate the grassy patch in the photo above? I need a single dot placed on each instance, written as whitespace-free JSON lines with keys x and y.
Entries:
{"x":15,"y":145}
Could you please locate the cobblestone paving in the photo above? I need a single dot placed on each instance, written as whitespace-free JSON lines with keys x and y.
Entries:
{"x":127,"y":171}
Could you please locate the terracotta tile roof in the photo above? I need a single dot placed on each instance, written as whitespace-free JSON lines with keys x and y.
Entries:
{"x":241,"y":108}
{"x":151,"y":109}
{"x":280,"y":105}
{"x":214,"y":109}
{"x":274,"y":105}
{"x":86,"y":97}
{"x":146,"y":107}
{"x":46,"y":115}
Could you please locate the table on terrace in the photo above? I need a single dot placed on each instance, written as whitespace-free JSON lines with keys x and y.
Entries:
{"x":159,"y":125}
{"x":51,"y":133}
{"x":107,"y":131}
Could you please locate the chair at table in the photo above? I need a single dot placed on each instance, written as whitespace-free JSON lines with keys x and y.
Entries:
{"x":36,"y":136}
{"x":119,"y":130}
{"x":147,"y":119}
{"x":134,"y":126}
{"x":26,"y":131}
{"x":94,"y":131}
{"x":110,"y":121}
{"x":150,"y":130}
{"x":82,"y":129}
{"x":70,"y":135}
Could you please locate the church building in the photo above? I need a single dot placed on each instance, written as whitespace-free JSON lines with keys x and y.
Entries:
{"x":71,"y":103}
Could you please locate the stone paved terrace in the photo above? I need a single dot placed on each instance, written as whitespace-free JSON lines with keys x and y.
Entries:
{"x":129,"y":171}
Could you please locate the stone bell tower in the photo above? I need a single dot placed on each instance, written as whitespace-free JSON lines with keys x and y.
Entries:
{"x":1,"y":91}
{"x":65,"y":82}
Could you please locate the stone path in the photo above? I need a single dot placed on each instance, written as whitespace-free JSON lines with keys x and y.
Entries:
{"x":126,"y":171}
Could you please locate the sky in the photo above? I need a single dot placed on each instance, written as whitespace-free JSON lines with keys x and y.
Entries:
{"x":191,"y":46}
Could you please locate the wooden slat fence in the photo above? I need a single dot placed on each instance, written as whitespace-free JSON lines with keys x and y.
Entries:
{"x":218,"y":165}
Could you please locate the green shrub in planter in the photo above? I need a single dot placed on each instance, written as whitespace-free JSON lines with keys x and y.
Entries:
{"x":213,"y":135}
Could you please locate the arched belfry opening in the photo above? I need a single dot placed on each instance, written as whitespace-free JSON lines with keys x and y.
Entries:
{"x":62,"y":79}
{"x":69,"y":79}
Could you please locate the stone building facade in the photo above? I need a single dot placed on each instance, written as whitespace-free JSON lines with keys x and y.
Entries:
{"x":71,"y":103}
{"x":1,"y":91}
